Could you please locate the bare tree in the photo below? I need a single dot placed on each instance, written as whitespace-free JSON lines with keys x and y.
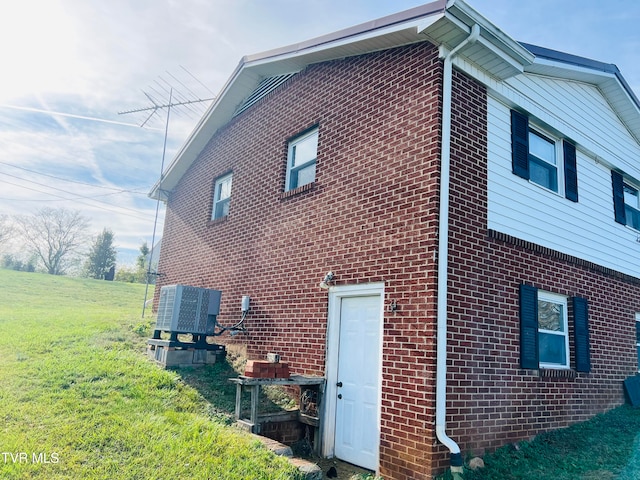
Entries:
{"x":6,"y":229}
{"x":55,"y":235}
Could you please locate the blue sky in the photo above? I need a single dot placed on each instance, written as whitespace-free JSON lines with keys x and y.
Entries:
{"x":83,"y":61}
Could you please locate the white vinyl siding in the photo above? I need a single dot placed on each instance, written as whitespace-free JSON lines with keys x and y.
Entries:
{"x":578,"y":111}
{"x":585,"y":229}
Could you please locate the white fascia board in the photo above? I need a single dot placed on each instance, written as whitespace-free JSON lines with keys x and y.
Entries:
{"x":544,"y":66}
{"x":380,"y":39}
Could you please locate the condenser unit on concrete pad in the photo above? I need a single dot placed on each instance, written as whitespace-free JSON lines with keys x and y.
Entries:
{"x":185,"y":309}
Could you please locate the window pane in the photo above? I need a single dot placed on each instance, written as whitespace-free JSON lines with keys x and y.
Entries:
{"x":638,"y":332}
{"x":222,"y":209}
{"x":303,"y":176}
{"x":638,"y":349}
{"x":542,"y":148}
{"x":543,"y":174}
{"x":551,"y":316}
{"x":552,"y":348}
{"x":633,"y":217}
{"x":631,"y":196}
{"x":224,"y":189}
{"x":305,"y":150}
{"x":222,"y":196}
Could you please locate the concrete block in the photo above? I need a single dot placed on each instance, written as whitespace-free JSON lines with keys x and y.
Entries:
{"x":309,"y":470}
{"x":176,"y":357}
{"x":273,"y":357}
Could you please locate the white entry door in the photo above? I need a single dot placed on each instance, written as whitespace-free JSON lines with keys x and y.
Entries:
{"x":357,"y":391}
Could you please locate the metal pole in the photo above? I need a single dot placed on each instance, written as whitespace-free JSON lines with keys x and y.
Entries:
{"x":155,"y":221}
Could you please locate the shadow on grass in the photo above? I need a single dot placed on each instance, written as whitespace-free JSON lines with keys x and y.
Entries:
{"x":212,"y":382}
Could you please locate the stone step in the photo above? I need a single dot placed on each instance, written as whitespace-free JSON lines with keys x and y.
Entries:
{"x":310,"y":470}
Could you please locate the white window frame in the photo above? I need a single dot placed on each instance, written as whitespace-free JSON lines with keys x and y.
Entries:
{"x":632,"y":207}
{"x":638,"y":339}
{"x":561,"y":300}
{"x":291,"y":179}
{"x":218,"y":200}
{"x":559,"y":160}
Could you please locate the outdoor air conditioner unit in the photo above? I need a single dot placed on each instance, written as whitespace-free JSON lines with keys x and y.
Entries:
{"x":184,"y":309}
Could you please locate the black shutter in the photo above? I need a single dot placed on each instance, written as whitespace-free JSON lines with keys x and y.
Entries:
{"x":570,"y":171}
{"x":581,"y":334}
{"x":618,"y":197}
{"x":520,"y":144}
{"x":529,"y":356}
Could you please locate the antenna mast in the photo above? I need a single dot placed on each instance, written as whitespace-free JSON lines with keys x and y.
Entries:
{"x":192,"y":106}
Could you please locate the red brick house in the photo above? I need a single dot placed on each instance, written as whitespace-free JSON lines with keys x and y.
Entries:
{"x":477,"y":202}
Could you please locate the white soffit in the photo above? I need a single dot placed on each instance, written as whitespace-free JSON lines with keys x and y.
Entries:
{"x":494,"y":52}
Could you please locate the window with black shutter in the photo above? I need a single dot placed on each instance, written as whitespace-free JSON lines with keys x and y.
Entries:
{"x":570,"y":171}
{"x":581,"y":334}
{"x":544,"y":331}
{"x":617,"y":184}
{"x":520,"y":144}
{"x":528,"y":327}
{"x":626,"y":200}
{"x":541,"y":158}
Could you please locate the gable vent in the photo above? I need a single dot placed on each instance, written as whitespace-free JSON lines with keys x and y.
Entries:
{"x":265,"y":87}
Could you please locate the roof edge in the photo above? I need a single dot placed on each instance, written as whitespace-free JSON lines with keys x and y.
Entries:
{"x":578,"y":61}
{"x":438,"y":6}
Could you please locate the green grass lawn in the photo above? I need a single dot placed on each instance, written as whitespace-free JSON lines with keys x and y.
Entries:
{"x":603,"y":448}
{"x":79,"y":399}
{"x":607,"y":447}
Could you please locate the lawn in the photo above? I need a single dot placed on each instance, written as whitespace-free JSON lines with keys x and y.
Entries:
{"x":607,"y":447}
{"x":79,"y":399}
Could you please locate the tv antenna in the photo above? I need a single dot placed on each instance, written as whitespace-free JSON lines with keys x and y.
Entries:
{"x":193,"y":105}
{"x":186,"y":97}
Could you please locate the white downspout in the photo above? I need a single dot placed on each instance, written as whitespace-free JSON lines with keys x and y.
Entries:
{"x":443,"y":254}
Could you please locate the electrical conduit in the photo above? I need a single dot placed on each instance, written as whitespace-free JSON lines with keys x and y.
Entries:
{"x":443,"y":254}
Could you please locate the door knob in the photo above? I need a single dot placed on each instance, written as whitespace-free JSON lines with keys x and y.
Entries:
{"x":339,"y":384}
{"x":339,"y":396}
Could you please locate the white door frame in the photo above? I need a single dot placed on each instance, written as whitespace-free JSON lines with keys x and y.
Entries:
{"x":331,"y":367}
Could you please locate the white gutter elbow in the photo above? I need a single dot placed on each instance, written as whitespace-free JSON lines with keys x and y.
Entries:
{"x":443,"y":254}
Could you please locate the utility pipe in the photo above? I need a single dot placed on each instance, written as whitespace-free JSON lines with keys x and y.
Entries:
{"x":443,"y":255}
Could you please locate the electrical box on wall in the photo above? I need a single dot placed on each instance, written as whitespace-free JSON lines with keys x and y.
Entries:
{"x":185,"y":309}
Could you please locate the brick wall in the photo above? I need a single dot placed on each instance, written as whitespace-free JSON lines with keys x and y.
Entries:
{"x":491,"y":400}
{"x":371,"y":216}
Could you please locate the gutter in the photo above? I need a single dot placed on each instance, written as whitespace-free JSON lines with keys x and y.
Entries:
{"x":443,"y":254}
